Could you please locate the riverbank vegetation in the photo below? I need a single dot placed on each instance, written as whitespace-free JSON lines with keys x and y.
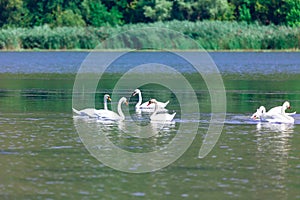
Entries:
{"x":211,"y":35}
{"x":214,"y":24}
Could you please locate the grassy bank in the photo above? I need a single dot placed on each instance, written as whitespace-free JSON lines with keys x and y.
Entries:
{"x":211,"y":35}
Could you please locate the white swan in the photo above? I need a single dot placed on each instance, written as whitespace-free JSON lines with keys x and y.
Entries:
{"x":282,"y":117}
{"x":110,"y":115}
{"x":159,"y":116}
{"x":262,"y":113}
{"x":278,"y":109}
{"x":91,"y":111}
{"x":144,"y":107}
{"x":276,"y":114}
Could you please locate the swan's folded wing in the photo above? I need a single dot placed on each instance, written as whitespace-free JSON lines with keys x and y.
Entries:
{"x":107,"y":115}
{"x":281,"y":118}
{"x":275,"y":110}
{"x":76,"y":111}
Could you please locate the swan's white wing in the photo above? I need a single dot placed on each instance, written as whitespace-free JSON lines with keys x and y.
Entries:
{"x":107,"y":114}
{"x":145,"y":105}
{"x":274,"y":111}
{"x":150,"y":108}
{"x":160,"y":105}
{"x":162,"y":117}
{"x":277,"y":110}
{"x":281,"y":118}
{"x":76,"y":111}
{"x":85,"y":112}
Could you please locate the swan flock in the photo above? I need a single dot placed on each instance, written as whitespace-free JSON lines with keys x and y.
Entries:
{"x":274,"y":115}
{"x":158,"y":110}
{"x":160,"y":114}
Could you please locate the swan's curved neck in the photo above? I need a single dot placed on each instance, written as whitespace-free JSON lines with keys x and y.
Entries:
{"x":263,"y":111}
{"x":140,"y":100}
{"x":283,"y":108}
{"x":155,"y":110}
{"x":120,"y":109}
{"x":105,"y":103}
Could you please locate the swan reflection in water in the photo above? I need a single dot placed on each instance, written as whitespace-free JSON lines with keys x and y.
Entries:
{"x":132,"y":127}
{"x":139,"y":129}
{"x":272,"y":159}
{"x":103,"y":138}
{"x":276,"y":127}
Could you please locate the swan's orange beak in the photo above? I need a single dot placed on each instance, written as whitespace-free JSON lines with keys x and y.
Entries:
{"x":133,"y":94}
{"x":289,"y":107}
{"x":126,"y":103}
{"x":149,"y":103}
{"x":108,"y":98}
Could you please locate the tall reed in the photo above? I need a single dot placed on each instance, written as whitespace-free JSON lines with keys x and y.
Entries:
{"x":211,"y":35}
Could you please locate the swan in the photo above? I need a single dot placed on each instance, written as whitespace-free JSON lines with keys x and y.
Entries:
{"x":110,"y":115}
{"x":159,"y":116}
{"x":275,"y":115}
{"x":278,"y":109}
{"x":262,"y":113}
{"x":144,"y":107}
{"x":91,"y":111}
{"x":282,"y":117}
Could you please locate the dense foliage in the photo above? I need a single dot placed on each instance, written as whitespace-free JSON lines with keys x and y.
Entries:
{"x":214,"y":35}
{"x":97,"y":13}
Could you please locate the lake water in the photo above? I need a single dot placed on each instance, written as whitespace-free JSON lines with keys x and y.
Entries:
{"x":43,"y":157}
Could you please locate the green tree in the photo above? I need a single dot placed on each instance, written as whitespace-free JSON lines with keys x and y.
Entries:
{"x":182,"y":10}
{"x":212,"y":9}
{"x":270,"y":11}
{"x":133,"y":10}
{"x":221,"y":10}
{"x":97,"y":14}
{"x":160,"y":12}
{"x":49,"y":11}
{"x":244,"y":13}
{"x":68,"y":18}
{"x":293,"y":14}
{"x":242,"y":9}
{"x":12,"y":13}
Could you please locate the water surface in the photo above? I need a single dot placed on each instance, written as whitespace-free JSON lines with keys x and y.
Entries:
{"x":42,"y":156}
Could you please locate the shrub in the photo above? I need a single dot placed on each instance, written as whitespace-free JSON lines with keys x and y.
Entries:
{"x":211,"y":35}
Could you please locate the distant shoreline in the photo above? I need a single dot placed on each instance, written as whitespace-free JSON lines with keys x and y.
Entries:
{"x":127,"y":50}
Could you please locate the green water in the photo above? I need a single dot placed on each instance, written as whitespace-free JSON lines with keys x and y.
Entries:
{"x":42,"y":156}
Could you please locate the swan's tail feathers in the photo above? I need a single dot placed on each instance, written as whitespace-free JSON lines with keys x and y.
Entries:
{"x":166,"y":103}
{"x":293,"y":113}
{"x":76,"y":111}
{"x":172,"y":116}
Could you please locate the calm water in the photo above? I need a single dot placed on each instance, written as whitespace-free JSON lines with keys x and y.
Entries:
{"x":42,"y":156}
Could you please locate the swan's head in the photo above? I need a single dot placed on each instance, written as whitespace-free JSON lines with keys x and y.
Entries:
{"x":259,"y":112}
{"x":124,"y":100}
{"x":136,"y":91}
{"x":152,"y":101}
{"x":262,"y":110}
{"x":107,"y":97}
{"x":286,"y":105}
